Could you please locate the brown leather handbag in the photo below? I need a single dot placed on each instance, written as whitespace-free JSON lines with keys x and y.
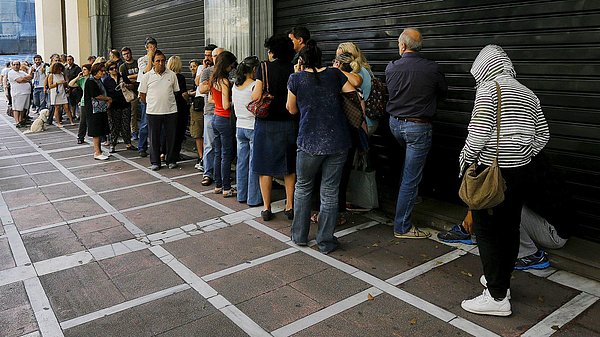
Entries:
{"x":486,"y":189}
{"x":260,"y":107}
{"x":352,"y":108}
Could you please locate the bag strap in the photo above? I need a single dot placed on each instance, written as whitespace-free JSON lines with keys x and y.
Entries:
{"x":265,"y":72}
{"x":498,"y":110}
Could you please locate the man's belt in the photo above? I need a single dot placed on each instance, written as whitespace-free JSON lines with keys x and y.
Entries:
{"x":423,"y":120}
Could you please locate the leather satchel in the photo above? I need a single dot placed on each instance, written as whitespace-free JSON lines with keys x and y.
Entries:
{"x":485,"y":189}
{"x":352,"y":108}
{"x":260,"y":107}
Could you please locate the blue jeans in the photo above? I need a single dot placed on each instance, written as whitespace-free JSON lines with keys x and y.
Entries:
{"x":209,"y":154}
{"x":143,"y":133}
{"x":307,"y":167}
{"x":416,"y":139}
{"x":39,"y":98}
{"x":223,"y":147}
{"x":247,"y":181}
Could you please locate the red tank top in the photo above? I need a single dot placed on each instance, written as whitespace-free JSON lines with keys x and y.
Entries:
{"x":218,"y":98}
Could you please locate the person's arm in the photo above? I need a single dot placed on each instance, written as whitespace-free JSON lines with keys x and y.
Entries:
{"x":73,"y":82}
{"x":542,"y":133}
{"x":291,"y":104}
{"x":51,"y":83}
{"x":257,"y":91}
{"x":143,"y":88}
{"x":225,"y":94}
{"x":354,"y":79}
{"x":23,"y":79}
{"x":480,"y":128}
{"x":143,"y":97}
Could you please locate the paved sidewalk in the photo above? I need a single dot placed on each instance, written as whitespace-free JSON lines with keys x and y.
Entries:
{"x":112,"y":248}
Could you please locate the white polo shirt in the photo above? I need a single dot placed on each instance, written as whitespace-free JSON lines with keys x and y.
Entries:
{"x":159,"y":90}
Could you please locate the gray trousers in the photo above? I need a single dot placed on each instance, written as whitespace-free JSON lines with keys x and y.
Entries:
{"x":536,"y":229}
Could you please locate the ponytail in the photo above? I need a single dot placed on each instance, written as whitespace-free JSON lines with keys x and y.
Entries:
{"x":312,"y":55}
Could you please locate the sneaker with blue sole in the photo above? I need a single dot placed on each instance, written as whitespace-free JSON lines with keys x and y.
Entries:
{"x":539,"y":260}
{"x":457,"y":235}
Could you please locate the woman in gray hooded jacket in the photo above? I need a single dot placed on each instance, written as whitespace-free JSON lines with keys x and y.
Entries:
{"x":523,"y":134}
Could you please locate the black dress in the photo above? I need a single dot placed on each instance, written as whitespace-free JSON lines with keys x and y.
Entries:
{"x":97,"y":123}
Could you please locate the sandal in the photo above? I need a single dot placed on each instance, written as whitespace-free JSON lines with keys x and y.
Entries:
{"x":314,"y":217}
{"x":206,"y":181}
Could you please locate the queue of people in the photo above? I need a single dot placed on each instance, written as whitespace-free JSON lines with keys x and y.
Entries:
{"x":303,"y":134}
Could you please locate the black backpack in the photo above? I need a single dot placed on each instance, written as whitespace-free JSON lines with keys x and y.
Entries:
{"x":375,"y":104}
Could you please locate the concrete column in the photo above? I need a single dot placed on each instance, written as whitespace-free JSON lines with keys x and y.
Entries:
{"x":78,"y":30}
{"x":48,"y":27}
{"x":99,"y":12}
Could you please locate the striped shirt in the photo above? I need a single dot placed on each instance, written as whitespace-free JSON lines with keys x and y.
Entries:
{"x":523,"y":128}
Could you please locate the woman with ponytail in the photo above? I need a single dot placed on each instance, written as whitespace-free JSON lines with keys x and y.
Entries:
{"x":323,"y":143}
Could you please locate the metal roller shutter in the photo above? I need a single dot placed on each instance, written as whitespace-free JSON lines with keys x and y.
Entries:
{"x":555,"y":49}
{"x":177,"y":25}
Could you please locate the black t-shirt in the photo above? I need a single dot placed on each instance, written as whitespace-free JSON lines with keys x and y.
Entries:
{"x":91,"y":89}
{"x":181,"y":102}
{"x":114,"y":92}
{"x":278,"y":73}
{"x":127,"y":69}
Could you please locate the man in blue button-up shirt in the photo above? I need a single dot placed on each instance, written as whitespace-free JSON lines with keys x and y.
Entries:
{"x":415,"y":84}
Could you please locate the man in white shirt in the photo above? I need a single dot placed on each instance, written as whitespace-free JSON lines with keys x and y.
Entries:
{"x":5,"y":85}
{"x":145,"y":65}
{"x":39,"y":73}
{"x":157,"y":90}
{"x":20,"y":90}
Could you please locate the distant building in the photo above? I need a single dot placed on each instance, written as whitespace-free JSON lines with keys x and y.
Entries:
{"x":17,"y":27}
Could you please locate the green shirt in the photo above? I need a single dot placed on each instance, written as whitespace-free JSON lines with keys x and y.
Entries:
{"x":81,"y":84}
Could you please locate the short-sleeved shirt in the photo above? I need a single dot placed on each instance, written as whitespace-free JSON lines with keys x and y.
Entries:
{"x":142,"y":63}
{"x":127,"y":69}
{"x":278,"y":72}
{"x":15,"y":87}
{"x":160,"y":92}
{"x":81,"y":84}
{"x":39,"y":76}
{"x":91,"y":89}
{"x":113,"y":91}
{"x":323,"y":127}
{"x":209,"y":108}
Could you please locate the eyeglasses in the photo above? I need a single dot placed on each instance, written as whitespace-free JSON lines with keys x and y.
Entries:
{"x":112,"y":68}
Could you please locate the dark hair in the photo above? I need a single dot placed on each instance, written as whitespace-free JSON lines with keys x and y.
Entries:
{"x":195,"y":61}
{"x":210,"y":47}
{"x":281,"y":47}
{"x":96,"y":68}
{"x":91,"y":57}
{"x":301,"y":32}
{"x":87,"y":66}
{"x":8,"y":64}
{"x":311,"y":55}
{"x":38,"y":56}
{"x":57,"y":68}
{"x":110,"y":64}
{"x":115,"y":53}
{"x":246,"y":67}
{"x":126,"y":49}
{"x":223,"y":61}
{"x":150,"y":40}
{"x":159,"y":52}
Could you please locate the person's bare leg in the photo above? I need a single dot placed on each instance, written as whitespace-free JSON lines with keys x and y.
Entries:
{"x":289,"y":182}
{"x":266,"y":183}
{"x":17,"y":116}
{"x":57,"y":115}
{"x":97,"y":148}
{"x":68,"y":110}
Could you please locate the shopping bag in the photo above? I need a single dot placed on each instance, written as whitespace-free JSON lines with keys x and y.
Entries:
{"x":362,"y":188}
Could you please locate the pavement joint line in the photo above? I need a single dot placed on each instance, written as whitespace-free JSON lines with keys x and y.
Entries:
{"x":123,"y":306}
{"x":15,"y":176}
{"x":48,"y":202}
{"x":425,"y":267}
{"x":326,"y":313}
{"x":157,"y":203}
{"x":576,"y":282}
{"x":205,"y":290}
{"x":16,"y":274}
{"x":74,"y":157}
{"x":32,"y":334}
{"x":44,"y":315}
{"x":21,"y":155}
{"x":25,"y":164}
{"x":107,"y":174}
{"x":64,"y":223}
{"x":28,"y":174}
{"x":471,"y":328}
{"x":37,"y":186}
{"x":63,"y":149}
{"x":248,"y":264}
{"x":130,"y":187}
{"x":562,"y":315}
{"x":97,"y":163}
{"x":62,"y":262}
{"x":187,"y":175}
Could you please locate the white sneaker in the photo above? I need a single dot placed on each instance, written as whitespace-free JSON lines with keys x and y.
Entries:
{"x":483,"y":282}
{"x":485,"y":304}
{"x":199,"y":167}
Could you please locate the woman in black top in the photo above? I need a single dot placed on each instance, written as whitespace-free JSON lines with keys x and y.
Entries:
{"x":119,"y":112}
{"x":275,"y":135}
{"x":174,"y":64}
{"x":96,"y":103}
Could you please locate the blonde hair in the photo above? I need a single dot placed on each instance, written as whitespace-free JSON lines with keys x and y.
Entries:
{"x":99,"y":59}
{"x":174,"y":64}
{"x":350,"y":47}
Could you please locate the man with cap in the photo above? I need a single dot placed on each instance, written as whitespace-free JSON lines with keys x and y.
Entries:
{"x":145,"y":65}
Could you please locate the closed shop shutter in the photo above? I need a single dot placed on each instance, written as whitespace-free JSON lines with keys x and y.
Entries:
{"x":555,"y":49}
{"x":177,"y":25}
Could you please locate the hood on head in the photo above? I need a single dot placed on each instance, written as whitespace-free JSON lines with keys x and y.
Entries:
{"x":491,"y":62}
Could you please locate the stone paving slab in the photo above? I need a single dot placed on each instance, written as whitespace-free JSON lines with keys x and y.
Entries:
{"x":142,"y":195}
{"x":533,"y":298}
{"x":28,"y":197}
{"x":584,"y":325}
{"x":214,"y":325}
{"x":119,"y":180}
{"x":50,"y":243}
{"x":72,"y":152}
{"x":41,"y":167}
{"x":44,"y":215}
{"x":78,"y":208}
{"x":101,"y":168}
{"x":6,"y":258}
{"x":195,"y":183}
{"x":383,"y":316}
{"x":61,"y":191}
{"x":7,"y":172}
{"x":16,"y":315}
{"x":171,"y":215}
{"x":49,"y":178}
{"x":16,"y":183}
{"x":216,"y":250}
{"x":100,"y":231}
{"x":31,"y":159}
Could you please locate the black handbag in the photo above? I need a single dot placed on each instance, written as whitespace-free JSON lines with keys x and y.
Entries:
{"x":198,"y":104}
